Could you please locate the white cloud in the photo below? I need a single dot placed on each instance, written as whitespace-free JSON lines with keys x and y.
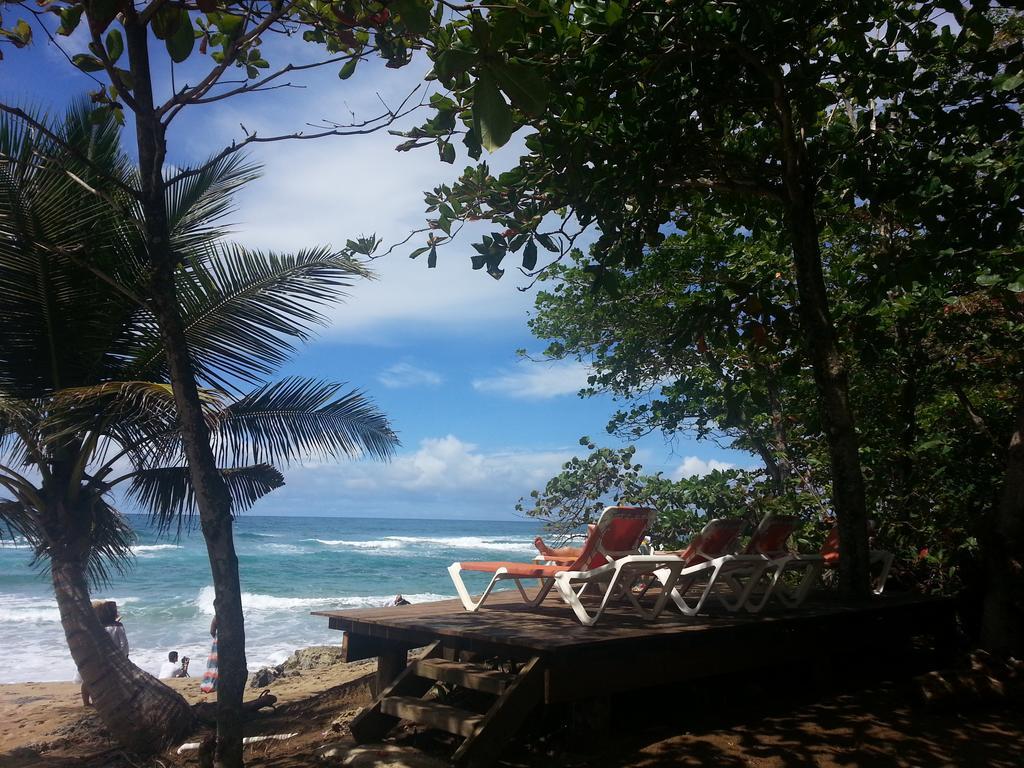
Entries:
{"x":537,"y":381}
{"x":442,"y":477}
{"x":337,"y":188}
{"x":449,"y":464}
{"x":695,"y":466}
{"x":402,"y":375}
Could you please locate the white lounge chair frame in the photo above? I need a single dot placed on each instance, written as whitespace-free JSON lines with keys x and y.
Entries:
{"x":587,"y":578}
{"x":731,"y":578}
{"x":812,"y":566}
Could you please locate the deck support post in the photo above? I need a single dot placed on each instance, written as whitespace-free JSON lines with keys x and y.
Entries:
{"x":591,"y":718}
{"x":390,"y":664}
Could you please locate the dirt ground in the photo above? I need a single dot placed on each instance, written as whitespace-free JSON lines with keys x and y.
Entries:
{"x":44,"y":726}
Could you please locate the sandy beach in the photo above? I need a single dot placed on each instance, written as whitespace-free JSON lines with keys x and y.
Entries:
{"x":45,"y":724}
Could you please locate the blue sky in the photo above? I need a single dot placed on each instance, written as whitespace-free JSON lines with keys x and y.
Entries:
{"x":434,"y":348}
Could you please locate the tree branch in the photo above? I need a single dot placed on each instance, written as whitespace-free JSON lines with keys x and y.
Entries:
{"x":356,"y":129}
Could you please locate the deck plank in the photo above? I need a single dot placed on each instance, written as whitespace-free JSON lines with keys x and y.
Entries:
{"x":551,"y":629}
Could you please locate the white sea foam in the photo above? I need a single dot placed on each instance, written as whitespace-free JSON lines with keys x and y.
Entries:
{"x":371,"y":544}
{"x":31,"y":610}
{"x":22,"y":609}
{"x":288,"y":549}
{"x":484,"y":544}
{"x":142,"y":549}
{"x":468,"y":542}
{"x":254,"y":602}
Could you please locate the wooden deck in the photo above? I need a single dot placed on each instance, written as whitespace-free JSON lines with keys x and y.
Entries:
{"x":630,"y":652}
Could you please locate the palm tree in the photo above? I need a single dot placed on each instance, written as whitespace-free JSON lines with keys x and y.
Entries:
{"x":85,"y":404}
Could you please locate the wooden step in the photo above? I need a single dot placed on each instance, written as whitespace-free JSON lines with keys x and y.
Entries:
{"x":477,"y":677}
{"x":433,"y":714}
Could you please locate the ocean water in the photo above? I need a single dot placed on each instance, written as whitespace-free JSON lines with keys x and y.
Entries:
{"x":289,"y":567}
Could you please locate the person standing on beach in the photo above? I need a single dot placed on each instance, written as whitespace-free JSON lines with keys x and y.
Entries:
{"x":106,"y":612}
{"x":209,"y":684}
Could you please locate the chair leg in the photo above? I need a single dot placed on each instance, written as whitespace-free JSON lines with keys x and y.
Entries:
{"x":773,"y":569}
{"x":688,"y":579}
{"x":563,"y":583}
{"x":794,"y":598}
{"x":669,"y":575}
{"x":542,"y":592}
{"x":455,"y":571}
{"x":885,"y":558}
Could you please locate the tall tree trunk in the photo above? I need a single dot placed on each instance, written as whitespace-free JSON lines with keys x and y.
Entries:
{"x":140,"y":712}
{"x":822,"y":344}
{"x":1002,"y":623}
{"x":211,"y":493}
{"x":904,"y":469}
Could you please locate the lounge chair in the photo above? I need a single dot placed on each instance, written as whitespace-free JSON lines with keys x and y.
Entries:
{"x":607,"y":559}
{"x":760,"y":562}
{"x":828,"y":558}
{"x":705,"y":560}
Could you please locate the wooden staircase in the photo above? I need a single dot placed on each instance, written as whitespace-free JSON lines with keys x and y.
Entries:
{"x":508,"y":696}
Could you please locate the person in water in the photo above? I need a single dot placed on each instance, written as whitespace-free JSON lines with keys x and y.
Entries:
{"x":106,"y":612}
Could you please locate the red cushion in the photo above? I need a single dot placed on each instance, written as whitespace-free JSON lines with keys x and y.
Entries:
{"x":771,"y":539}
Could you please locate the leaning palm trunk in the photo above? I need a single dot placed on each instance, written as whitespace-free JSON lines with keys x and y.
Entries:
{"x":140,"y":712}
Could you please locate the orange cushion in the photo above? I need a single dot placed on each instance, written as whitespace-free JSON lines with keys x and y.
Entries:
{"x":522,"y":570}
{"x":830,"y":549}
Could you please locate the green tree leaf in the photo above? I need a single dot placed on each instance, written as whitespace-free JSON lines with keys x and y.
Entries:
{"x":524,"y":84}
{"x":182,"y":41}
{"x":349,"y":68}
{"x":414,"y":14}
{"x":100,"y":13}
{"x":1006,"y":82}
{"x":115,"y":45}
{"x":69,"y":19}
{"x":87,"y":63}
{"x":492,"y":117}
{"x":165,"y":21}
{"x":530,"y":255}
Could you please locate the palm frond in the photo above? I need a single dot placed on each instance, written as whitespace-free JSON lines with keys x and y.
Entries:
{"x":18,"y":520}
{"x":137,"y":419}
{"x":110,"y":542}
{"x":166,"y":492}
{"x":19,"y":437}
{"x":99,"y":141}
{"x":112,"y":539}
{"x":243,"y":309}
{"x":58,"y":235}
{"x":197,"y":203}
{"x":297,"y":419}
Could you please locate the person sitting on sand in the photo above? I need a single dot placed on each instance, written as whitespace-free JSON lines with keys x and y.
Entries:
{"x":106,"y":612}
{"x":170,"y":668}
{"x":399,"y":600}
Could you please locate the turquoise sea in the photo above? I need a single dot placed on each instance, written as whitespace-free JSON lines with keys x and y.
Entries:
{"x":289,"y":567}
